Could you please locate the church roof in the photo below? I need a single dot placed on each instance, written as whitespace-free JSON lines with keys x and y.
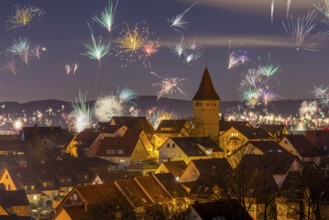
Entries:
{"x":206,"y":89}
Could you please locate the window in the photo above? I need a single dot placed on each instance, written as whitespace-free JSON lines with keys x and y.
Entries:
{"x":234,"y":134}
{"x":7,"y":177}
{"x":110,"y":151}
{"x":120,"y":151}
{"x":173,"y":145}
{"x":122,"y":161}
{"x":85,"y":177}
{"x":8,"y":186}
{"x":35,"y":197}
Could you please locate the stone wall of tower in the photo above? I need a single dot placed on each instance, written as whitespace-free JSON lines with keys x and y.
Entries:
{"x":206,"y":118}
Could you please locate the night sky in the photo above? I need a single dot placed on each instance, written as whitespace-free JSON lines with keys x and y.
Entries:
{"x":214,"y":23}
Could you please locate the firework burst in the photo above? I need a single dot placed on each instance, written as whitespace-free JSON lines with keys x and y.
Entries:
{"x":106,"y":18}
{"x":25,"y":16}
{"x":322,"y":94}
{"x":149,"y":49}
{"x":134,"y":44}
{"x":169,"y":85}
{"x":257,"y":85}
{"x":155,"y":115}
{"x":114,"y":105}
{"x":301,"y":31}
{"x":22,"y":48}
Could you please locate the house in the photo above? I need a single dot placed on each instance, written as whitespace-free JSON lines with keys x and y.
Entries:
{"x":82,"y":142}
{"x":238,"y":135}
{"x":171,"y":128}
{"x":122,"y":150}
{"x":130,"y":133}
{"x":22,"y":178}
{"x":172,"y":186}
{"x":14,"y":202}
{"x":154,"y":190}
{"x":299,"y":146}
{"x":12,"y":147}
{"x":134,"y":123}
{"x":79,"y":203}
{"x":222,"y":209}
{"x":189,"y":148}
{"x":225,"y":125}
{"x":135,"y":195}
{"x":255,"y":190}
{"x":320,"y":140}
{"x":207,"y":167}
{"x":109,"y":130}
{"x":113,"y":175}
{"x":176,"y":168}
{"x":276,"y":131}
{"x":276,"y":164}
{"x":268,"y":147}
{"x":304,"y":195}
{"x":30,"y":133}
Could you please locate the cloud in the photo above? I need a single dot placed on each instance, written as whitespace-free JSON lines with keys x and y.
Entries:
{"x":246,"y":40}
{"x":260,"y":6}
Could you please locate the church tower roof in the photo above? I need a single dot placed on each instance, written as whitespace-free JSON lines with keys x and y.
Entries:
{"x":206,"y":89}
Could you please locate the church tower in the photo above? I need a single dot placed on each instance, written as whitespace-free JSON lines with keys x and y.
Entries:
{"x":206,"y":105}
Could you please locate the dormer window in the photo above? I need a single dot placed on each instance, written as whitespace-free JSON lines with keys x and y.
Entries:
{"x":110,"y":151}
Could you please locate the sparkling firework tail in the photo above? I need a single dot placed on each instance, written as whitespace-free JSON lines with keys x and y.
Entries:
{"x":301,"y":32}
{"x":97,"y":50}
{"x":106,"y":18}
{"x":179,"y":48}
{"x":82,"y":113}
{"x":272,"y":10}
{"x":268,"y":70}
{"x":11,"y":66}
{"x":177,"y":22}
{"x":288,"y":6}
{"x":324,"y":10}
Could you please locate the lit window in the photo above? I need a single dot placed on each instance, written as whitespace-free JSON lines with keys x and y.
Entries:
{"x":122,"y":161}
{"x":120,"y":151}
{"x":35,"y":197}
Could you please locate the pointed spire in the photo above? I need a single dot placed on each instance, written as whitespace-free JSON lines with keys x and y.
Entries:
{"x":206,"y":89}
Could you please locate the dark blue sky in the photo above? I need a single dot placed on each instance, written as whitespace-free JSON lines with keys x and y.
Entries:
{"x":215,"y":22}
